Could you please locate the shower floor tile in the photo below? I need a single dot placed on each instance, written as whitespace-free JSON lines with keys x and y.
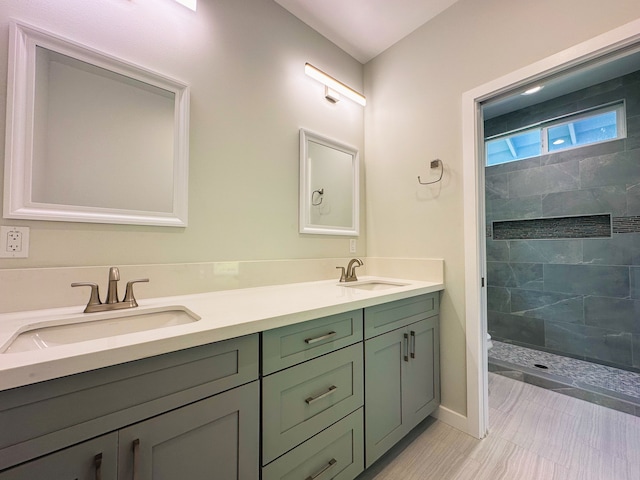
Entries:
{"x":607,"y":386}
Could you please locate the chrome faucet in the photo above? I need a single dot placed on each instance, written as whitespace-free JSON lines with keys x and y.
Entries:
{"x":112,"y":303}
{"x":350,"y":274}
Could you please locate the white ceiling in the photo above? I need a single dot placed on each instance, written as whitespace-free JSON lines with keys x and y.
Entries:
{"x":365,"y":28}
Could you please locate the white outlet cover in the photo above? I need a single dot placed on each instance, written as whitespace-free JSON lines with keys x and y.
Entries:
{"x":226,"y":268}
{"x":9,"y":235}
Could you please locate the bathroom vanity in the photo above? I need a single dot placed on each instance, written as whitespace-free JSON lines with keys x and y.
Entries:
{"x":175,"y":413}
{"x":290,"y":397}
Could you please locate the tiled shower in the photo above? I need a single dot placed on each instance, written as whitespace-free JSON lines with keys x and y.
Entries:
{"x":563,"y":237}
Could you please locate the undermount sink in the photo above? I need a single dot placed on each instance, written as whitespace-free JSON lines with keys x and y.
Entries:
{"x":101,"y":325}
{"x":373,"y":285}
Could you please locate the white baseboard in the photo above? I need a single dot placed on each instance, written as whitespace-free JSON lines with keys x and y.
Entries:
{"x":451,"y":418}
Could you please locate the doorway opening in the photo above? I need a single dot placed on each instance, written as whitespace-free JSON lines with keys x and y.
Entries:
{"x":562,"y":211}
{"x":538,"y":296}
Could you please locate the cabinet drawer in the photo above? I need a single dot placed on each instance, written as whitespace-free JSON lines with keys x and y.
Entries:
{"x":303,"y":400}
{"x":37,"y":419}
{"x":335,"y":453}
{"x":383,"y":318}
{"x":96,"y":458}
{"x":293,"y":344}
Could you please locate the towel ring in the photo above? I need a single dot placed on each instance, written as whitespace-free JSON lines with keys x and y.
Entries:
{"x":434,"y":164}
{"x":320,"y":193}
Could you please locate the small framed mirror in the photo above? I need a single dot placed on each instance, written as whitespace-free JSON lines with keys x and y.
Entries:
{"x":92,"y":138}
{"x":329,"y":186}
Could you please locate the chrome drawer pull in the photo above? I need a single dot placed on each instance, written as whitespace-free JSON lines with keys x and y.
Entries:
{"x":310,"y":341}
{"x":413,"y":344}
{"x":405,"y":347}
{"x":332,"y":389}
{"x":97,"y":461}
{"x":331,"y":463}
{"x":136,"y":460}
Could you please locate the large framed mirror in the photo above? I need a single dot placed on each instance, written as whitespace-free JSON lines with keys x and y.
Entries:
{"x":329,"y":186}
{"x":92,"y":138}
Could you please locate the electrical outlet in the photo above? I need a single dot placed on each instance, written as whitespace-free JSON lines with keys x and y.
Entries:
{"x":352,"y":245}
{"x":226,"y":268}
{"x":14,"y":242}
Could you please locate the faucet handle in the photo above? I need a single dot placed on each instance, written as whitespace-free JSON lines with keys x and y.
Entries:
{"x":343,"y":277}
{"x":94,"y":299}
{"x":128,"y":294}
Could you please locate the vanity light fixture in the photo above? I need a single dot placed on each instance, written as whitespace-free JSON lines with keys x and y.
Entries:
{"x":334,"y":86}
{"x":533,"y":90}
{"x":192,"y":4}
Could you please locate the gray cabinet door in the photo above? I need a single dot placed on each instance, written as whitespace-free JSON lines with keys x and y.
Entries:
{"x":384,"y":358}
{"x":94,"y":459}
{"x":421,"y":376}
{"x":214,"y":438}
{"x":402,"y":384}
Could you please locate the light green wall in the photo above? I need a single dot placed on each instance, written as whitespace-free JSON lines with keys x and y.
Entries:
{"x":244,"y":61}
{"x":413,"y":115}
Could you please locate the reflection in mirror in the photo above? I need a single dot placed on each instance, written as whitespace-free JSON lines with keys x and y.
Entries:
{"x":113,"y":118}
{"x":92,"y":138}
{"x":331,"y":176}
{"x":328,"y":186}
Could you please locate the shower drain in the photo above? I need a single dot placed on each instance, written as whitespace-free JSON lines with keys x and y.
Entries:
{"x":539,"y":365}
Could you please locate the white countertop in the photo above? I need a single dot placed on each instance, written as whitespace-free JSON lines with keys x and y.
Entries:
{"x":223,"y":315}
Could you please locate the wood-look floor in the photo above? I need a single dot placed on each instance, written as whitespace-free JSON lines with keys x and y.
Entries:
{"x":535,"y":434}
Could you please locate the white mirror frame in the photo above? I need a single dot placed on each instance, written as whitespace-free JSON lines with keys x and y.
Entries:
{"x":306,"y":226}
{"x":19,"y":134}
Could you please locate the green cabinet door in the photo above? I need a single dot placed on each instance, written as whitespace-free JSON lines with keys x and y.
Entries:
{"x":421,"y":375}
{"x":402,"y":384}
{"x":94,"y":459}
{"x":384,"y":358}
{"x":214,"y":438}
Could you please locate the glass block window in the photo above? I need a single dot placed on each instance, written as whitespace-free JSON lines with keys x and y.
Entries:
{"x":586,"y":128}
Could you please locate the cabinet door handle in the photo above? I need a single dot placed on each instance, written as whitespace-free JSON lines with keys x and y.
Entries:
{"x":332,"y":389}
{"x":136,"y":458}
{"x":311,"y":341}
{"x":331,"y":463}
{"x":97,"y":462}
{"x":413,"y":344}
{"x":405,"y":346}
